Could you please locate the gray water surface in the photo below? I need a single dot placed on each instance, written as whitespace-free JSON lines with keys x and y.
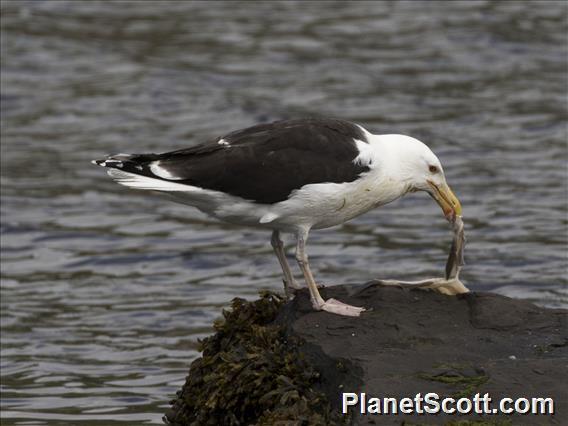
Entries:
{"x":106,"y":290}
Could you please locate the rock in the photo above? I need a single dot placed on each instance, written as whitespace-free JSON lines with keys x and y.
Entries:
{"x":408,"y":342}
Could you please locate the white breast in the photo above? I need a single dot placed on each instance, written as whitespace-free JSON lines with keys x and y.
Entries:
{"x":328,"y":204}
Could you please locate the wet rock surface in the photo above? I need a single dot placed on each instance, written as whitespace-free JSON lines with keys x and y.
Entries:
{"x":416,"y":341}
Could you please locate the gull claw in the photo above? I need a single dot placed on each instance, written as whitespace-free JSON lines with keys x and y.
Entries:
{"x":336,"y":307}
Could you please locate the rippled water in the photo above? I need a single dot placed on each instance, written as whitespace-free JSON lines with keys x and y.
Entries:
{"x":106,"y":290}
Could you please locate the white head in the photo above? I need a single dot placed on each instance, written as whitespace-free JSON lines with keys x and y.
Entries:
{"x":415,"y":167}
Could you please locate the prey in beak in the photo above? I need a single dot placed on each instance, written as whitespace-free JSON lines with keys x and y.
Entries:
{"x":447,"y":200}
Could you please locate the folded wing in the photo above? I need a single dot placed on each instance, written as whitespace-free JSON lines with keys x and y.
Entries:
{"x":263,"y":163}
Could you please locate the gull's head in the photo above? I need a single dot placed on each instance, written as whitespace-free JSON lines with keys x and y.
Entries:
{"x":418,"y":168}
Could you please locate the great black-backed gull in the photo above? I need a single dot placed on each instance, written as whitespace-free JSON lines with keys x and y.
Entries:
{"x":291,"y":176}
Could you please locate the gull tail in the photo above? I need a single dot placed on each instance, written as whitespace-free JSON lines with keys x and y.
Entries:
{"x":135,"y":171}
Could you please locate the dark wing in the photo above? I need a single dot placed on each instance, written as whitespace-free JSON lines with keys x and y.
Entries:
{"x":263,"y":163}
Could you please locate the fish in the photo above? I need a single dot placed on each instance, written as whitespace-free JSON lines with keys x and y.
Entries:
{"x":450,"y":284}
{"x":456,"y":256}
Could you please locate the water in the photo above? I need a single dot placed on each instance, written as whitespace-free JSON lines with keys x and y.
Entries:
{"x":106,"y":290}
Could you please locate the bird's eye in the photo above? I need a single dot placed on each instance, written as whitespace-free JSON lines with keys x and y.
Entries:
{"x":433,"y":169}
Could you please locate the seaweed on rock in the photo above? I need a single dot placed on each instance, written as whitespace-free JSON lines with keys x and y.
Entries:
{"x":251,"y":373}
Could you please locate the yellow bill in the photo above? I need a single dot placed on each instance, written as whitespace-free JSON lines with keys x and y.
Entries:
{"x":447,"y":200}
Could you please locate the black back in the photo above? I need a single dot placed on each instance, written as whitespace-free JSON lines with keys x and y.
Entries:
{"x":266,"y":162}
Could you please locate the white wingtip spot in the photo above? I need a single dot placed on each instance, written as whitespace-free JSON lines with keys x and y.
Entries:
{"x":162,"y":172}
{"x":223,"y":142}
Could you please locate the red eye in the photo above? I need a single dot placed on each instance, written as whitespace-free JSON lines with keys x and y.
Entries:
{"x":433,"y":169}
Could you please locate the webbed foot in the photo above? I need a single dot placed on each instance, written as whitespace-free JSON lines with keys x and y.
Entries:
{"x":336,"y":307}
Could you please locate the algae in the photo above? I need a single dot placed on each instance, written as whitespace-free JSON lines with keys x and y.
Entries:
{"x":251,"y":373}
{"x":459,"y":377}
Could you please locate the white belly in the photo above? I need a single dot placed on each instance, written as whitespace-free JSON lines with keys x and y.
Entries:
{"x":316,"y":206}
